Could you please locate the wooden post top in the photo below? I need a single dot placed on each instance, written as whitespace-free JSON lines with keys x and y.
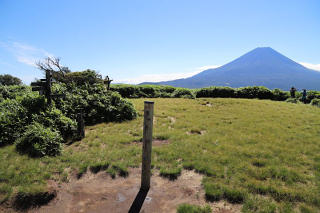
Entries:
{"x":149,"y":102}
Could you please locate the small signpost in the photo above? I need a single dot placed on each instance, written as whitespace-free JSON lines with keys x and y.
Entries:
{"x":44,"y":86}
{"x":146,"y":158}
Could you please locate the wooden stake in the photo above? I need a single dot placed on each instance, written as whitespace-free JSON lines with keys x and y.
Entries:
{"x":147,"y":145}
{"x":146,"y":158}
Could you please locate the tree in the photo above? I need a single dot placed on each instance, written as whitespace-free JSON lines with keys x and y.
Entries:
{"x":52,"y":65}
{"x":63,"y":74}
{"x":9,"y":80}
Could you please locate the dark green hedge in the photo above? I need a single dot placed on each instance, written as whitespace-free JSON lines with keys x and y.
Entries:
{"x":155,"y":91}
{"x":97,"y":104}
{"x":143,"y":91}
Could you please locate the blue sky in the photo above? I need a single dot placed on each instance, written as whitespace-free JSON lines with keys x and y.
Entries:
{"x":135,"y":40}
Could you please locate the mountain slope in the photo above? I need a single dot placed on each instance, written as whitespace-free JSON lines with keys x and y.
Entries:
{"x":260,"y":67}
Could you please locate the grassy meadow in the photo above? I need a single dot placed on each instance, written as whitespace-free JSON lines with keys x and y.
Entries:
{"x":261,"y":153}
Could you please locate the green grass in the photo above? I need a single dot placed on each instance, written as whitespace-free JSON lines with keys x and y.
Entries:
{"x":248,"y":150}
{"x":187,"y":208}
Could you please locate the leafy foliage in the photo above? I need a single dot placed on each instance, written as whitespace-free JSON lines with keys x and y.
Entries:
{"x":254,"y":92}
{"x":156,"y":91}
{"x":143,"y":91}
{"x":11,"y":92}
{"x":55,"y":119}
{"x":84,"y":77}
{"x":38,"y":141}
{"x":12,"y":121}
{"x":21,"y":107}
{"x":216,"y":92}
{"x":98,"y":104}
{"x":9,"y":80}
{"x":280,"y":95}
{"x":183,"y":93}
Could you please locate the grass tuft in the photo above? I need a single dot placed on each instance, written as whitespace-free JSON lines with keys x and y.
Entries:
{"x":171,"y":173}
{"x":187,"y":208}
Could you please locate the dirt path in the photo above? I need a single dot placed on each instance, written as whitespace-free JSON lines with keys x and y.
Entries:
{"x":99,"y":193}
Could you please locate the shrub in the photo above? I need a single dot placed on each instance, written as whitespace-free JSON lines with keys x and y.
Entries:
{"x":12,"y":121}
{"x":316,"y":102}
{"x":84,"y":77}
{"x":98,"y":104}
{"x":143,"y":91}
{"x":312,"y":95}
{"x":8,"y":80}
{"x":34,"y":103}
{"x":280,"y":95}
{"x":254,"y":92}
{"x":183,"y":93}
{"x":38,"y":141}
{"x":187,"y":208}
{"x":216,"y":92}
{"x":11,"y":92}
{"x":55,"y":119}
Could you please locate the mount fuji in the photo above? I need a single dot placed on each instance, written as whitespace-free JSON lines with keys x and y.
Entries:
{"x":262,"y":66}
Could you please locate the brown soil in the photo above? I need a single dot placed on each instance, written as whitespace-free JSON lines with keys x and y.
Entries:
{"x":100,"y":193}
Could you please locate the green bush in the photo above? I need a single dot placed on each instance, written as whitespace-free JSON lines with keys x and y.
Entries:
{"x":280,"y":95}
{"x":216,"y":92}
{"x":11,"y":92}
{"x":38,"y":141}
{"x":97,"y":104}
{"x":33,"y":103}
{"x":188,"y":208}
{"x":7,"y":79}
{"x":13,"y":118}
{"x":316,"y":102}
{"x":183,"y":93}
{"x":143,"y":91}
{"x":55,"y":119}
{"x":254,"y":92}
{"x":84,"y":77}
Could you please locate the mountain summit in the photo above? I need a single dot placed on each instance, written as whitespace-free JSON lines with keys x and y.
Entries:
{"x":262,"y":66}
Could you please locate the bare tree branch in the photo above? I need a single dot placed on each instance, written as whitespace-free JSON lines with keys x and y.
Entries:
{"x":52,"y":65}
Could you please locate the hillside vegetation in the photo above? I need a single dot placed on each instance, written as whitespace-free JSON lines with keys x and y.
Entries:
{"x":261,"y":153}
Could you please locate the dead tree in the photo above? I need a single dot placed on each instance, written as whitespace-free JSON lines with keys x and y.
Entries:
{"x":52,"y":65}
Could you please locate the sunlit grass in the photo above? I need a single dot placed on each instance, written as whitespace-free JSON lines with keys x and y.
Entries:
{"x":251,"y":151}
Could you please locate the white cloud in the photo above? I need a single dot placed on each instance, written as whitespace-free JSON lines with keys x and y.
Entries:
{"x":311,"y":66}
{"x":164,"y":77}
{"x":25,"y":53}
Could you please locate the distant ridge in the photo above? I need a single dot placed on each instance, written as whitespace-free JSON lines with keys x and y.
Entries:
{"x":262,"y":66}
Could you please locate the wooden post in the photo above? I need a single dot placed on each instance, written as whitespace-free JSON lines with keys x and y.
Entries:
{"x":147,"y":145}
{"x":48,"y":87}
{"x":146,"y":158}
